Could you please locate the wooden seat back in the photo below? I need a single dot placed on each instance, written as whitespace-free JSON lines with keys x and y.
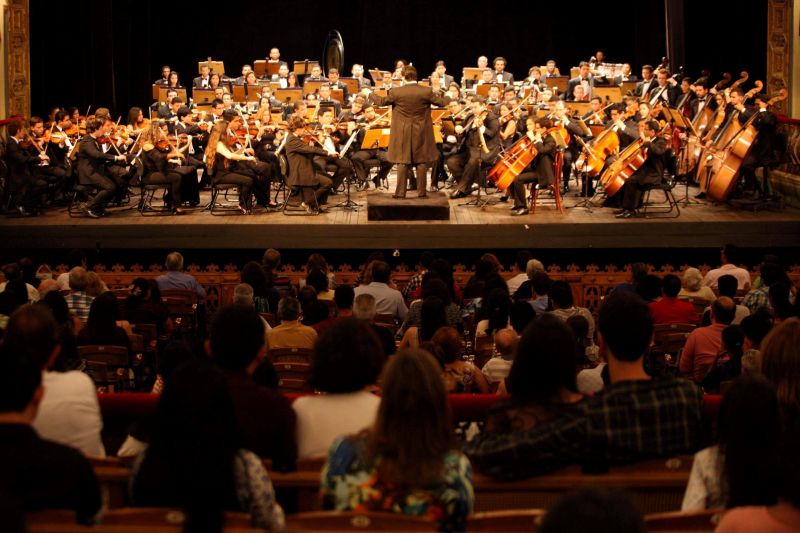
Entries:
{"x":357,"y":521}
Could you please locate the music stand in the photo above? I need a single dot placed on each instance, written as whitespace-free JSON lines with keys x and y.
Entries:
{"x":155,"y":91}
{"x":483,"y":89}
{"x":202,"y":96}
{"x":217,"y":67}
{"x":678,"y":119}
{"x":351,"y":84}
{"x":377,"y":75}
{"x":608,"y":93}
{"x":580,"y":107}
{"x":473,"y":74}
{"x":162,"y":94}
{"x":246,"y":93}
{"x":303,"y":68}
{"x":289,"y":95}
{"x":380,"y":92}
{"x":560,"y":83}
{"x":375,"y":138}
{"x":273,"y":66}
{"x":312,"y":86}
{"x":260,"y":67}
{"x":628,"y":87}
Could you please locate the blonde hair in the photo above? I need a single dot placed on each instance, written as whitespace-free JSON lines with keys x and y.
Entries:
{"x":780,"y":363}
{"x":692,"y":279}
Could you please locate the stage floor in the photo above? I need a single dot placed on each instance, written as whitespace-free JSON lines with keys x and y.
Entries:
{"x":699,"y":225}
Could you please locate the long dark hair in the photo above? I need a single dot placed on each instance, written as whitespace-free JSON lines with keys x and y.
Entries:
{"x":432,"y":317}
{"x":103,"y":314}
{"x":749,"y":431}
{"x":190,"y":459}
{"x":414,"y":429}
{"x":254,"y":275}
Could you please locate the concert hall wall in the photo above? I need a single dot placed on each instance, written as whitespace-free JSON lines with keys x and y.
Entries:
{"x":108,"y":52}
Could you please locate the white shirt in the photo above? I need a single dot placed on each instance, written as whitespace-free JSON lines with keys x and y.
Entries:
{"x":63,"y":281}
{"x":590,"y":380}
{"x":741,"y":275}
{"x":321,"y":419}
{"x":33,"y":294}
{"x":70,"y":413}
{"x":388,"y":301}
{"x":515,"y":282}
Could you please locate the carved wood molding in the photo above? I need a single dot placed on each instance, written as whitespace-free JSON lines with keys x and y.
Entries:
{"x":18,"y":63}
{"x":779,"y":50}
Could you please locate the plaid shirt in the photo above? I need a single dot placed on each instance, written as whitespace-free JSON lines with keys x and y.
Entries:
{"x":628,"y":421}
{"x":79,"y":303}
{"x":413,"y":284}
{"x":756,"y":299}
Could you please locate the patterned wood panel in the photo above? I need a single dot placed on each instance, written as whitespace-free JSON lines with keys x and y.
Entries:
{"x":779,"y":50}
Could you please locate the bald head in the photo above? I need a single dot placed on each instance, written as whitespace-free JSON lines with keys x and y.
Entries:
{"x":78,"y":279}
{"x":723,"y":310}
{"x":505,"y":340}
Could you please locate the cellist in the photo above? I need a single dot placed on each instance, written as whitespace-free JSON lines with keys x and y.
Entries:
{"x":541,"y":169}
{"x":763,"y":151}
{"x":650,"y":173}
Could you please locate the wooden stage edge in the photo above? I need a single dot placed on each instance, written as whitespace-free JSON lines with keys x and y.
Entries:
{"x":699,"y":226}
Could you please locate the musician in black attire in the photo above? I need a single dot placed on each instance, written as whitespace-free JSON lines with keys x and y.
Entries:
{"x":704,"y":98}
{"x":762,"y":154}
{"x":25,"y":185}
{"x":262,"y":173}
{"x":156,"y":153}
{"x":91,"y":168}
{"x":541,"y":170}
{"x":362,"y":155}
{"x":454,"y":147}
{"x":483,"y":123}
{"x":650,"y":173}
{"x":220,"y":159}
{"x":192,"y":150}
{"x":302,"y":171}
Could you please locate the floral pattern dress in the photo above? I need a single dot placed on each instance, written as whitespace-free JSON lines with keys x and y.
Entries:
{"x":350,"y":483}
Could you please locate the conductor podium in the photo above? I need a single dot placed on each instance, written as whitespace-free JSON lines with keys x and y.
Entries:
{"x":381,"y":206}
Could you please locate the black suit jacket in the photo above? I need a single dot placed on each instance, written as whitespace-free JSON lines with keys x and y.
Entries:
{"x":91,"y":157}
{"x":618,"y":79}
{"x":574,"y":82}
{"x":652,"y":171}
{"x":643,"y":87}
{"x":544,"y":160}
{"x":299,"y":157}
{"x":197,"y":83}
{"x":507,"y":77}
{"x":491,"y":135}
{"x":20,"y":162}
{"x":672,"y":91}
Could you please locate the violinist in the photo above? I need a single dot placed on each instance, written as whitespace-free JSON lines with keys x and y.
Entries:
{"x":302,"y":171}
{"x":162,"y":109}
{"x":329,"y":135}
{"x":51,"y":116}
{"x":762,"y":154}
{"x":358,"y":73}
{"x":291,"y":81}
{"x":25,"y":185}
{"x":493,"y":97}
{"x":240,"y":141}
{"x":116,"y":141}
{"x":508,"y":126}
{"x":687,"y":95}
{"x":61,"y":144}
{"x":92,"y":167}
{"x":454,"y":91}
{"x":356,"y":111}
{"x":267,"y":138}
{"x":136,"y":122}
{"x":164,"y":79}
{"x":596,"y":116}
{"x":453,"y":148}
{"x":483,"y":144}
{"x":335,"y":84}
{"x":362,"y":155}
{"x":704,"y":97}
{"x":578,"y":94}
{"x":650,"y":173}
{"x":533,"y":82}
{"x":157,"y":157}
{"x":562,"y":118}
{"x":628,"y":124}
{"x":242,"y":80}
{"x":220,"y":159}
{"x":54,"y":174}
{"x":540,"y":172}
{"x":191,"y":137}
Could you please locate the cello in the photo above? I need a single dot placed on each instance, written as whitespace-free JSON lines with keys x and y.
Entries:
{"x":737,"y":150}
{"x":594,"y":155}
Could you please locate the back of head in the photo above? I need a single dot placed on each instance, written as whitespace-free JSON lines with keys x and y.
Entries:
{"x":723,"y":310}
{"x":561,"y":294}
{"x":103,"y":313}
{"x":434,"y":286}
{"x":426,"y":259}
{"x":649,"y":287}
{"x":495,"y":307}
{"x":639,"y":271}
{"x":271,"y":259}
{"x":32,"y":333}
{"x":78,"y":279}
{"x":381,"y":272}
{"x":432,"y":317}
{"x":671,"y":285}
{"x":780,"y":363}
{"x":58,"y":306}
{"x":347,"y":357}
{"x":544,"y":363}
{"x":749,"y":431}
{"x":771,"y":273}
{"x":692,"y":279}
{"x":289,"y":309}
{"x":20,"y":377}
{"x":596,"y":510}
{"x":413,"y":429}
{"x":520,"y":315}
{"x":540,"y":282}
{"x":756,"y":326}
{"x":174,"y":262}
{"x":243,"y":294}
{"x":318,"y":280}
{"x":727,"y":285}
{"x":626,"y":325}
{"x":364,"y":307}
{"x":731,"y":252}
{"x":236,"y":336}
{"x":343,"y":296}
{"x":253,"y":275}
{"x":505,"y":341}
{"x":448,"y":344}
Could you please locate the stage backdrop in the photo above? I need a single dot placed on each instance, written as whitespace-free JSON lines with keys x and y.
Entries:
{"x":108,"y":52}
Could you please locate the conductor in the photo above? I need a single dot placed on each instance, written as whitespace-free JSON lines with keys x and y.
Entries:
{"x":411,"y":139}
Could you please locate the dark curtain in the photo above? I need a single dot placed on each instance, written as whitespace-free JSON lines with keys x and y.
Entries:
{"x":108,"y":52}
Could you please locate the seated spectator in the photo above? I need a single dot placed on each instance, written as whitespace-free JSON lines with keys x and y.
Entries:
{"x":265,"y":418}
{"x":520,"y":314}
{"x":343,"y":297}
{"x":755,"y":328}
{"x":408,"y":462}
{"x":729,"y":255}
{"x":664,"y":414}
{"x":243,"y":295}
{"x":740,"y":469}
{"x":144,"y":306}
{"x":780,"y":295}
{"x":432,"y":318}
{"x":78,"y":301}
{"x":290,"y":333}
{"x":11,"y":299}
{"x":726,"y":285}
{"x":13,"y":272}
{"x":75,"y":258}
{"x":347,"y":362}
{"x":585,"y":351}
{"x":535,"y":289}
{"x":37,"y":474}
{"x":497,"y":368}
{"x":426,"y":259}
{"x":319,"y":282}
{"x":265,"y":297}
{"x":459,"y":375}
{"x":364,"y":310}
{"x":669,"y":309}
{"x":638,"y":273}
{"x":195,"y":460}
{"x":593,"y":509}
{"x":101,"y":327}
{"x":561,"y":301}
{"x":485,"y":266}
{"x":444,"y":270}
{"x":541,"y":381}
{"x":432,"y":285}
{"x":95,"y":286}
{"x":759,"y":297}
{"x":316,"y":261}
{"x":521,"y":262}
{"x":388,"y":301}
{"x":649,"y":288}
{"x":175,"y":278}
{"x":783,"y":516}
{"x":780,"y":364}
{"x":727,"y":366}
{"x":494,"y":312}
{"x":593,"y":380}
{"x":68,"y":325}
{"x":693,"y":286}
{"x":703,"y":344}
{"x":270,"y":262}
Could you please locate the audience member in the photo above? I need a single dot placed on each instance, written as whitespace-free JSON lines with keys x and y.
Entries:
{"x":485,"y":266}
{"x":561,"y":300}
{"x":649,"y":288}
{"x":290,"y":333}
{"x":780,"y":295}
{"x":265,"y":297}
{"x":727,"y":364}
{"x":521,"y":262}
{"x":740,"y":469}
{"x":598,"y":510}
{"x":432,"y":317}
{"x":726,"y":286}
{"x":11,"y":299}
{"x":347,"y":361}
{"x":693,"y":286}
{"x":729,"y":255}
{"x":75,"y":258}
{"x":669,"y":309}
{"x":68,"y":325}
{"x":755,"y":328}
{"x":758,"y":297}
{"x":634,"y":418}
{"x":535,"y":289}
{"x":316,"y":261}
{"x":497,"y":368}
{"x":319,"y":282}
{"x":364,"y":310}
{"x":494,"y":312}
{"x":144,"y":306}
{"x":37,"y":474}
{"x":95,"y":286}
{"x":459,"y":376}
{"x":444,"y":270}
{"x":780,"y":364}
{"x":703,"y":344}
{"x":520,"y":314}
{"x":426,"y":259}
{"x":175,"y":278}
{"x":13,"y":272}
{"x":101,"y":327}
{"x":432,"y":285}
{"x":78,"y":301}
{"x":270,"y":262}
{"x":638,"y":273}
{"x":408,"y":462}
{"x":243,"y":295}
{"x":343,"y":297}
{"x":388,"y":301}
{"x":196,"y":460}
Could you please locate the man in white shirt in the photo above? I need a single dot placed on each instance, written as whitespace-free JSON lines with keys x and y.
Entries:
{"x":523,"y":257}
{"x":388,"y":301}
{"x":729,"y":257}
